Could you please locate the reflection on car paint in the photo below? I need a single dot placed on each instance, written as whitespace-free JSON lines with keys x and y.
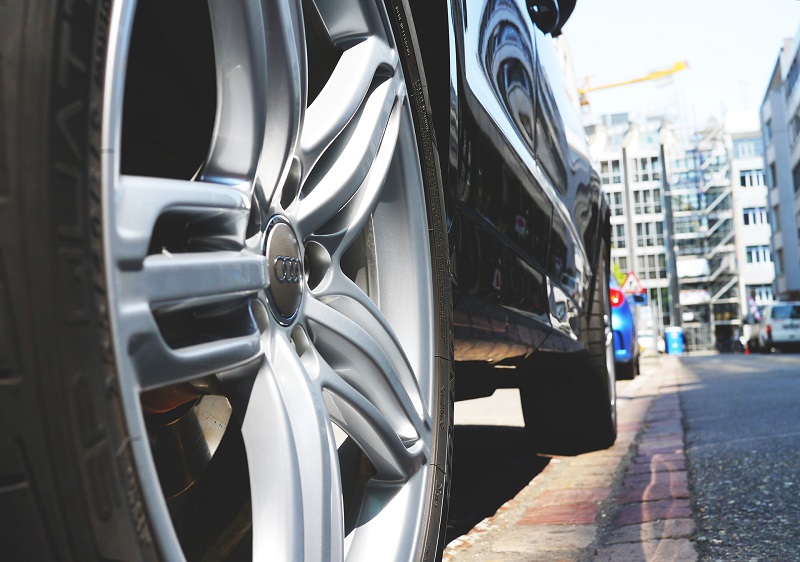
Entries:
{"x":527,"y":199}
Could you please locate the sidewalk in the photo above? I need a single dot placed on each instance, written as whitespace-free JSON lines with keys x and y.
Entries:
{"x":630,"y":502}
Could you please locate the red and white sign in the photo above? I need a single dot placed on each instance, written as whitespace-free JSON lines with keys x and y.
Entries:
{"x":632,"y":285}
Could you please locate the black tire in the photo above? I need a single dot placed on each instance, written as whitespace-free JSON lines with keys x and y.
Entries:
{"x":71,"y":485}
{"x":626,"y":371}
{"x":569,"y":401}
{"x":437,"y":512}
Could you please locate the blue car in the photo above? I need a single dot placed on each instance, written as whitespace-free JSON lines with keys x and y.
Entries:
{"x":626,"y":350}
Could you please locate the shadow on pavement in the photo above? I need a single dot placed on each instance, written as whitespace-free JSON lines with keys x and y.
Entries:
{"x":491,"y":464}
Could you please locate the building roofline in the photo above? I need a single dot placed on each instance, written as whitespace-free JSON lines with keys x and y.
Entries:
{"x":776,"y":70}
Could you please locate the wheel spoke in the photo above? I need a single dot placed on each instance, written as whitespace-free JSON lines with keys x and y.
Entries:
{"x":293,"y":464}
{"x":366,"y":424}
{"x":260,"y":89}
{"x":156,"y":364}
{"x":350,"y":22}
{"x":368,"y":356}
{"x":199,"y":278}
{"x":360,"y":168}
{"x":140,"y":201}
{"x":342,"y":96}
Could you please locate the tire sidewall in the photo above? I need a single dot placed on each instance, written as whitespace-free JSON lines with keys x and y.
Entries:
{"x":435,"y":512}
{"x":67,"y":416}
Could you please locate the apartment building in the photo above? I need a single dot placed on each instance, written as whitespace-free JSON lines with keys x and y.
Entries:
{"x":780,"y":128}
{"x":712,"y":182}
{"x":631,"y":168}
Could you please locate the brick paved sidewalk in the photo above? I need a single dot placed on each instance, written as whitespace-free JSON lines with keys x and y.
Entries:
{"x":630,"y":502}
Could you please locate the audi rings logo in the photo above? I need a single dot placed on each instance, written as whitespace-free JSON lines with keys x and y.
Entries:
{"x":287,"y":269}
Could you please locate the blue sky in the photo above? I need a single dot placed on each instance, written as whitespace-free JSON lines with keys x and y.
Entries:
{"x":731,"y":47}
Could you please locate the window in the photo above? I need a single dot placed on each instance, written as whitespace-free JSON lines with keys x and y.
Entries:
{"x":690,"y":247}
{"x":773,"y":175}
{"x":752,"y":178}
{"x":791,"y":77}
{"x":647,"y":169}
{"x":744,"y":148}
{"x":642,"y":171}
{"x":768,"y":131}
{"x":758,"y":254}
{"x":647,"y":201}
{"x":776,"y":218}
{"x":780,"y":261}
{"x":615,"y":202}
{"x":754,"y":215}
{"x":652,"y":266}
{"x":649,"y":234}
{"x":748,"y":148}
{"x":616,"y":172}
{"x":686,"y":202}
{"x":622,"y":263}
{"x":796,"y":177}
{"x":618,"y":236}
{"x":610,"y":172}
{"x":760,"y":293}
{"x":687,"y":225}
{"x":787,"y":312}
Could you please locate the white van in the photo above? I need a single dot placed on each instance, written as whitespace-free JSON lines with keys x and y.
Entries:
{"x":779,"y":327}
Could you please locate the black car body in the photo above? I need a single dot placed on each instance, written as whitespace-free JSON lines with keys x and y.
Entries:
{"x":528,"y":224}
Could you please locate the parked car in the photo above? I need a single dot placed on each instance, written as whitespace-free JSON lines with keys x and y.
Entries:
{"x":245,"y":249}
{"x":623,"y":322}
{"x":779,"y":328}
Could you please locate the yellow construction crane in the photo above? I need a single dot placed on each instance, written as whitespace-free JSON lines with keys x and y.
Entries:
{"x":677,"y":67}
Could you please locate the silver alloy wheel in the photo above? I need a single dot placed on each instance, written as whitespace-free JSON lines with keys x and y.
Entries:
{"x":345,"y":341}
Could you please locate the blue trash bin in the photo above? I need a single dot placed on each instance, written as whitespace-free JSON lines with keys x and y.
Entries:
{"x":674,"y":340}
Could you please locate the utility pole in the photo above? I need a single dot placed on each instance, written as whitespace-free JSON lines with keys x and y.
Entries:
{"x":628,"y":192}
{"x":675,"y":316}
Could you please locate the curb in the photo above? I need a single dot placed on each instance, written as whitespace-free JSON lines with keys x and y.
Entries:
{"x":629,"y":502}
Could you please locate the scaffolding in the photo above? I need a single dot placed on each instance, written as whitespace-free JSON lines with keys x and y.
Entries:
{"x":701,"y":192}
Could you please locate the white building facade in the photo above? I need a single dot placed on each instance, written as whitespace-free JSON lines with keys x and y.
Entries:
{"x":631,"y":170}
{"x":754,"y":252}
{"x":780,"y":128}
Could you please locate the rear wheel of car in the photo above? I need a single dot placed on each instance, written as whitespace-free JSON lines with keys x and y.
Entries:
{"x":626,"y":371}
{"x":569,"y":400}
{"x":225,"y":318}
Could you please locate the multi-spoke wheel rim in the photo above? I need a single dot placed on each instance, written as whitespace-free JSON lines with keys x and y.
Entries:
{"x":296,"y":284}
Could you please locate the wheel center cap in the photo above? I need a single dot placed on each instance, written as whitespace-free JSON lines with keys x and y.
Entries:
{"x":286,"y":276}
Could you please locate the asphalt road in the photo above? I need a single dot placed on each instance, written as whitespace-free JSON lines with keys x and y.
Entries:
{"x":742,"y":418}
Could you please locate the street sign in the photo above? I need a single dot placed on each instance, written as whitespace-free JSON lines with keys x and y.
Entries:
{"x":632,"y":285}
